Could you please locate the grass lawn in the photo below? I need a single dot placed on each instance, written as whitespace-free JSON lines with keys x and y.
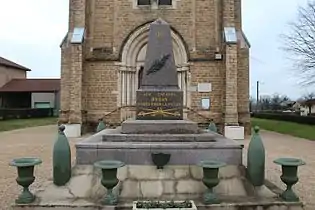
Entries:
{"x":7,"y":125}
{"x":290,"y":128}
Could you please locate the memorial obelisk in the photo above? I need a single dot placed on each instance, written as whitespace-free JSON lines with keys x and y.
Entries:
{"x":159,"y":96}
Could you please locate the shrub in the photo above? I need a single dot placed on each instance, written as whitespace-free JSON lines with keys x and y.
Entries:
{"x":310,"y":120}
{"x":25,"y":113}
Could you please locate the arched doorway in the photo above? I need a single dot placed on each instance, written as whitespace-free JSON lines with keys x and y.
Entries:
{"x":133,"y":57}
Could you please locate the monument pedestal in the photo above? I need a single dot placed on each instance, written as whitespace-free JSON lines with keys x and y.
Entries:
{"x":159,"y":131}
{"x":159,"y":127}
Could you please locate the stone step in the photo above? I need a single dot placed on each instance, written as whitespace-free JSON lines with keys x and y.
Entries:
{"x":159,"y":127}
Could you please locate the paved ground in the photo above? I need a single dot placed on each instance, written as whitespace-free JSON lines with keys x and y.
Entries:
{"x":38,"y":142}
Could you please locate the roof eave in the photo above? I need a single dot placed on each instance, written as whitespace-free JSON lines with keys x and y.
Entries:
{"x":15,"y":67}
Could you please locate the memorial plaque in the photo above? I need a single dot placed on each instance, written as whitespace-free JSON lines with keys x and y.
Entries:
{"x":160,"y":105}
{"x":159,"y":97}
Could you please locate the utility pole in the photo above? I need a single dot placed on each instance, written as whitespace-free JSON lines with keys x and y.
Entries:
{"x":257,"y":96}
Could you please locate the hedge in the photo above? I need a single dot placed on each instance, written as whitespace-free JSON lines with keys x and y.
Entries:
{"x":310,"y":120}
{"x":25,"y":113}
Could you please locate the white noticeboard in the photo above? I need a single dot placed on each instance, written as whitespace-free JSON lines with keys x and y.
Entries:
{"x":204,"y":87}
{"x":234,"y":132}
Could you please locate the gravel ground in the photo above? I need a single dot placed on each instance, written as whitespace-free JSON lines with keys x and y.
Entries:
{"x":279,"y":145}
{"x":38,"y":142}
{"x":30,"y":142}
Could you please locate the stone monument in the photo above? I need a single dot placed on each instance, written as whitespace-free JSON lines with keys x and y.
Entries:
{"x":159,"y":97}
{"x":160,"y":156}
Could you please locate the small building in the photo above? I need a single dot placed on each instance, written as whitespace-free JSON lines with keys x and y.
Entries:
{"x":20,"y":96}
{"x":31,"y":93}
{"x":11,"y":70}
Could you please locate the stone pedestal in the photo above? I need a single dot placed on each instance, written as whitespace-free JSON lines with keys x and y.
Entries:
{"x":159,"y":127}
{"x":136,"y":149}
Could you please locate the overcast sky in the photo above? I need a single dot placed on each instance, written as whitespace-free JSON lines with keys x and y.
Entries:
{"x":31,"y":31}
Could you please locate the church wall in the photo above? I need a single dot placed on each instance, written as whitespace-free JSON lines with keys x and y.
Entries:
{"x":100,"y":81}
{"x":204,"y":72}
{"x":199,"y":23}
{"x":112,"y":21}
{"x":243,"y":89}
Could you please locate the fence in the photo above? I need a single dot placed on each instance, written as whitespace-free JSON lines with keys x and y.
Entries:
{"x":310,"y":120}
{"x":6,"y":114}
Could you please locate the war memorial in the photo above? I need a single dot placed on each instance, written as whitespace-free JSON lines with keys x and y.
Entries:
{"x":158,"y":159}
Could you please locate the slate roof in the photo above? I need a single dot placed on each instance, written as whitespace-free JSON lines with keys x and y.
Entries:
{"x":31,"y":85}
{"x":7,"y":63}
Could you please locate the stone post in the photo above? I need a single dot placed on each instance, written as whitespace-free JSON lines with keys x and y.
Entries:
{"x":231,"y":113}
{"x":76,"y":19}
{"x":75,"y":116}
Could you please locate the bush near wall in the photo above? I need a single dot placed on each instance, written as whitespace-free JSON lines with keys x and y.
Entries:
{"x":6,"y":114}
{"x":310,"y":120}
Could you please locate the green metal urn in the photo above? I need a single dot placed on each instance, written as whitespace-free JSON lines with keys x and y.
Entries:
{"x":109,"y":179}
{"x":25,"y":169}
{"x":289,"y":176}
{"x":211,"y":179}
{"x":101,"y":125}
{"x":61,"y":159}
{"x":256,"y":160}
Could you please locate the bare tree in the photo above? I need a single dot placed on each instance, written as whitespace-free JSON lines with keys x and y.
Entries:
{"x":265,"y":103}
{"x":299,"y":43}
{"x":276,"y":102}
{"x":309,"y":96}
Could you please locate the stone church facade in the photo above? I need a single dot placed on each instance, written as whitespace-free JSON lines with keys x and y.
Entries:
{"x":105,"y":48}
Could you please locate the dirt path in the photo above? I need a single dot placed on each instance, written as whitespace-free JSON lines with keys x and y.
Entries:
{"x":30,"y":142}
{"x":38,"y":142}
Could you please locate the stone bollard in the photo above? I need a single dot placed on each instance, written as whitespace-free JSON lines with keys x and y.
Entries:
{"x":256,"y":160}
{"x":101,"y":125}
{"x":61,"y":159}
{"x":212,"y":127}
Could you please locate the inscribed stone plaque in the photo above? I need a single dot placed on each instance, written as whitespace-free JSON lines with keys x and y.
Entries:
{"x":160,"y":105}
{"x":204,"y":87}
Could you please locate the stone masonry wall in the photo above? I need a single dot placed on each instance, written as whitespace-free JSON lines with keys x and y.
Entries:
{"x":203,"y":72}
{"x":100,"y":83}
{"x":146,"y":182}
{"x":108,"y":24}
{"x":243,"y":89}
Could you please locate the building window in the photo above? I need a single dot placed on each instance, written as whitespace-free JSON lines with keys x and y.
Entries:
{"x":165,"y":2}
{"x":144,"y":2}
